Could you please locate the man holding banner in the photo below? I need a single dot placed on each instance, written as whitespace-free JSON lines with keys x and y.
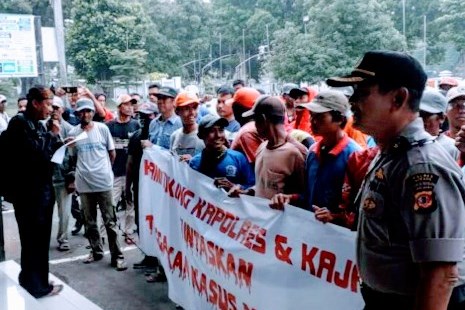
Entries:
{"x":412,"y":214}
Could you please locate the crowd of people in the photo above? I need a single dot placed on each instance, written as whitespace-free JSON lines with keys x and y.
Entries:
{"x":377,"y":151}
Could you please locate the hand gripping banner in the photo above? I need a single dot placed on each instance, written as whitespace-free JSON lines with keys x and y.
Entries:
{"x":229,"y":253}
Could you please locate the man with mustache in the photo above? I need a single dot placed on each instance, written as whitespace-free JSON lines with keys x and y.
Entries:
{"x":411,"y":227}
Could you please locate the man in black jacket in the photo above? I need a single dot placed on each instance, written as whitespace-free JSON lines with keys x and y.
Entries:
{"x":30,"y":147}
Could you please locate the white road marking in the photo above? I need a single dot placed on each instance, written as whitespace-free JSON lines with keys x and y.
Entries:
{"x":81,"y":257}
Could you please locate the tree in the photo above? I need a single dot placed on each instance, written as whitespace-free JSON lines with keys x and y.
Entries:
{"x":129,"y":65}
{"x":339,"y":33}
{"x":98,"y":28}
{"x":452,"y":22}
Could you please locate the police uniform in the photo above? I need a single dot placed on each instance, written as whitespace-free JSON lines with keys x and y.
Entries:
{"x":411,"y":211}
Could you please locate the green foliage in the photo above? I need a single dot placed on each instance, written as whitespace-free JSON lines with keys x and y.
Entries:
{"x":99,"y":27}
{"x":339,"y":33}
{"x":129,"y":65}
{"x":452,"y":22}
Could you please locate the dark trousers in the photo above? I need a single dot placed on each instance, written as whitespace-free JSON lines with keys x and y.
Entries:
{"x":34,"y":225}
{"x":375,"y":300}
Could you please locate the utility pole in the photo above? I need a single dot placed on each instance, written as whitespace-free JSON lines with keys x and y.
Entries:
{"x":243,"y":53}
{"x":267,"y":37}
{"x":424,"y":41}
{"x":60,"y":39}
{"x":403,"y":17}
{"x":221,"y":61}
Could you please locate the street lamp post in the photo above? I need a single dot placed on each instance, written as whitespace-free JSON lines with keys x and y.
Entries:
{"x":403,"y":17}
{"x":305,"y":20}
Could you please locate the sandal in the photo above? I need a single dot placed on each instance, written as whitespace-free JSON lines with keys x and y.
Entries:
{"x":63,"y":247}
{"x":56,"y":289}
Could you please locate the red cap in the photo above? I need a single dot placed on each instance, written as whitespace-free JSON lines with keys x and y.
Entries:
{"x":448,"y":81}
{"x":246,"y":97}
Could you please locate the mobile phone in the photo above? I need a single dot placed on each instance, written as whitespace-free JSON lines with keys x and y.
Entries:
{"x":70,"y":89}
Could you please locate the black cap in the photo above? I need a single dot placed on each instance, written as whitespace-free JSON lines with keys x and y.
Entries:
{"x":399,"y":69}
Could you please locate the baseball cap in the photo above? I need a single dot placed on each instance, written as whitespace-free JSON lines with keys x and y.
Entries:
{"x":2,"y":98}
{"x":83,"y":104}
{"x":298,"y":92}
{"x":209,"y":121}
{"x":433,"y":101}
{"x":266,"y":105}
{"x":286,"y":89}
{"x":346,"y":90}
{"x":148,"y":108}
{"x":447,"y":80}
{"x":185,"y":98}
{"x":167,"y":92}
{"x":125,"y":98}
{"x":455,"y":92}
{"x":57,"y":102}
{"x":244,"y":97}
{"x":328,"y":100}
{"x":397,"y":68}
{"x":225,"y":89}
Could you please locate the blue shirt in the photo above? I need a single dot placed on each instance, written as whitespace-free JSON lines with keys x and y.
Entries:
{"x":160,"y":130}
{"x":233,"y":126}
{"x":325,"y":174}
{"x":234,"y":166}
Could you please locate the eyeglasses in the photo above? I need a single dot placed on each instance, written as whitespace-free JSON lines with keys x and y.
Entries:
{"x":152,"y":94}
{"x":55,"y":107}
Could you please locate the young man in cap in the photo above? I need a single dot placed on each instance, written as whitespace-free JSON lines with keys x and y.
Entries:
{"x":228,"y":167}
{"x":280,"y":162}
{"x":411,"y":224}
{"x":94,"y":182}
{"x":121,"y":129}
{"x":447,"y":83}
{"x":224,"y":110}
{"x":184,"y":142}
{"x":433,"y":106}
{"x":62,"y":177}
{"x":247,"y":139}
{"x":29,"y":187}
{"x":302,"y":116}
{"x":455,"y":110}
{"x":327,"y":159}
{"x":167,"y":122}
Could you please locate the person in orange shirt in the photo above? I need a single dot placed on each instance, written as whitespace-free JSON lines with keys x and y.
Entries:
{"x":302,"y":116}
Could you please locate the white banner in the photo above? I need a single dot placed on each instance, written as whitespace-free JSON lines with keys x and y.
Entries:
{"x":237,"y":253}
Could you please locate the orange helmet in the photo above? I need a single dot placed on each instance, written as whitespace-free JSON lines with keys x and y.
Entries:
{"x":246,"y":97}
{"x":185,"y":98}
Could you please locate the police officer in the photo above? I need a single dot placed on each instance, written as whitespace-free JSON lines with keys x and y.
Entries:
{"x":411,"y":205}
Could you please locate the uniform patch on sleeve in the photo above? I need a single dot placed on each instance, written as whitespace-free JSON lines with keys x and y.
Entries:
{"x":423,"y":192}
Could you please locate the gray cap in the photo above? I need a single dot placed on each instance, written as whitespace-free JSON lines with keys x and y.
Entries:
{"x":209,"y":121}
{"x":83,"y":104}
{"x":433,"y":101}
{"x":328,"y":100}
{"x":455,"y":92}
{"x":148,"y":108}
{"x":346,"y":90}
